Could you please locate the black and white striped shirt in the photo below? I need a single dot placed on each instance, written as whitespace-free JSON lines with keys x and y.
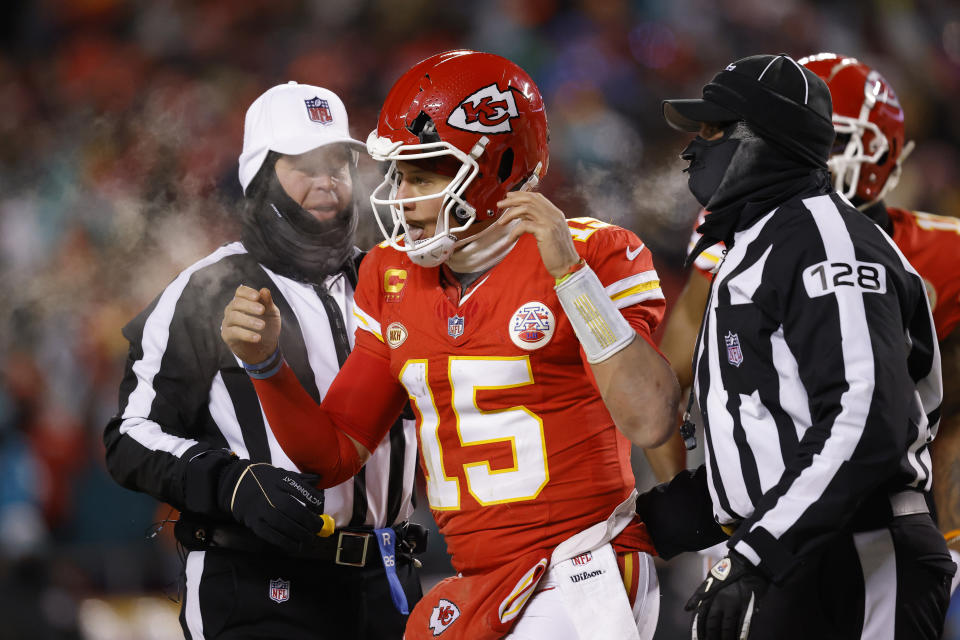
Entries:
{"x":184,"y":393}
{"x":818,"y":376}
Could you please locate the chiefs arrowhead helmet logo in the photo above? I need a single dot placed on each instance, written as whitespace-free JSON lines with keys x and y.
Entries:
{"x":486,"y":110}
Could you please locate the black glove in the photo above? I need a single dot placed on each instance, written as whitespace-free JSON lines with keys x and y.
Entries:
{"x":727,"y":600}
{"x":679,"y":514}
{"x":279,"y":506}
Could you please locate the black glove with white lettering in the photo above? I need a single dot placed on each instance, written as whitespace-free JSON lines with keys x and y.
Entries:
{"x":727,"y":600}
{"x":279,"y":506}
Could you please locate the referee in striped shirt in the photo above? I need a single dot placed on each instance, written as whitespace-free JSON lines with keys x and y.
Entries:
{"x":817,"y":373}
{"x":262,"y":561}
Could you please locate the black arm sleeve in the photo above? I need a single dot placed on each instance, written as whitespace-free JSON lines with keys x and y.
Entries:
{"x":679,"y":514}
{"x":163,"y":440}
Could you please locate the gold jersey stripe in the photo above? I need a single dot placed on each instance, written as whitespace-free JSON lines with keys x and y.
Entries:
{"x":639,"y":288}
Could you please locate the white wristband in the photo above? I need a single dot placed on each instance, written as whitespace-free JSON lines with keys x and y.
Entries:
{"x":599,"y":325}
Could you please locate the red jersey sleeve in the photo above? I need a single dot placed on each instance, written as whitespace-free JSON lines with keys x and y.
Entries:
{"x":931,"y":244}
{"x":705,"y":263}
{"x":624,"y":265}
{"x":363,"y":401}
{"x":374,"y":283}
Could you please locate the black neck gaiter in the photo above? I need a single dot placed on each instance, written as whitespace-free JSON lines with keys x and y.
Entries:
{"x":285,"y":238}
{"x":878,"y":213}
{"x":756,"y":177}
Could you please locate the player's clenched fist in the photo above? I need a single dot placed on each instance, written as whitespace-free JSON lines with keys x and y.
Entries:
{"x":251,"y":324}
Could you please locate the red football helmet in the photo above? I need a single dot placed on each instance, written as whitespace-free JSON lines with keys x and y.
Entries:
{"x":869,"y":151}
{"x":477,"y":117}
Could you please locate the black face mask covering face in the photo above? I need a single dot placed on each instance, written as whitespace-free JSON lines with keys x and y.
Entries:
{"x":284,"y":237}
{"x":709,"y":160}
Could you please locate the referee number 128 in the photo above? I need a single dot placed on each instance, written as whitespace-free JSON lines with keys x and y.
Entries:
{"x":827,"y":277}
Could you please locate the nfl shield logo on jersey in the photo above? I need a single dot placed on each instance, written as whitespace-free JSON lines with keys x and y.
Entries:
{"x":734,"y":354}
{"x":279,"y":590}
{"x":319,"y":110}
{"x":455,"y":326}
{"x":443,"y":616}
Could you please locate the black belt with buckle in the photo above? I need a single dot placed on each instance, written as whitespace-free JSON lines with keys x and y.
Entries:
{"x":348,"y":547}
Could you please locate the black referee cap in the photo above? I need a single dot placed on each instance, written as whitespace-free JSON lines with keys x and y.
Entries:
{"x":782,"y":100}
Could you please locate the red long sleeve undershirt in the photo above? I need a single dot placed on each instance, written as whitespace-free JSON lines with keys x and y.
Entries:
{"x":362,"y":403}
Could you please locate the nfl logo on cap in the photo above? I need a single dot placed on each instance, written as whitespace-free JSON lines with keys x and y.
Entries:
{"x":279,"y":590}
{"x":319,"y":110}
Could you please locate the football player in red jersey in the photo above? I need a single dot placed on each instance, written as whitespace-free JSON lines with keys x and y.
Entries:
{"x":521,"y":340}
{"x":866,"y":165}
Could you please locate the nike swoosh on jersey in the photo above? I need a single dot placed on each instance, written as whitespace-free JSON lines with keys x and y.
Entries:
{"x":631,"y":254}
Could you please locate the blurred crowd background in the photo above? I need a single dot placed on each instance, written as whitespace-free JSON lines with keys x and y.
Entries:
{"x":120,"y":127}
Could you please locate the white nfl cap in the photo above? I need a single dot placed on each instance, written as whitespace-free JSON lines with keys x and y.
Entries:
{"x":292,"y":119}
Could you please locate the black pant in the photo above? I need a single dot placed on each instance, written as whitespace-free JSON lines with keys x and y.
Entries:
{"x":323,"y":601}
{"x":824,"y":598}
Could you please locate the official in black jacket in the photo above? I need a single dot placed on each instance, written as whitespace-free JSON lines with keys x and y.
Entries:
{"x":262,"y":562}
{"x":817,"y":372}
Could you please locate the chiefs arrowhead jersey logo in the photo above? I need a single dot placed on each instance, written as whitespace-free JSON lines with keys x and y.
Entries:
{"x":443,"y":616}
{"x":487,"y":110}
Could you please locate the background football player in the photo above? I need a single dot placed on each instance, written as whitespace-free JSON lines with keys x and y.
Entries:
{"x":522,"y":340}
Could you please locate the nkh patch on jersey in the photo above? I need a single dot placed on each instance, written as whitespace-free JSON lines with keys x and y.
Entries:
{"x":318,"y":110}
{"x":532,"y":325}
{"x":396,"y":334}
{"x":279,"y":590}
{"x":486,"y":110}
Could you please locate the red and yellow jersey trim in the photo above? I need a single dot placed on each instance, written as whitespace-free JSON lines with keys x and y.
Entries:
{"x":635,"y":289}
{"x":512,"y":605}
{"x":367,"y":322}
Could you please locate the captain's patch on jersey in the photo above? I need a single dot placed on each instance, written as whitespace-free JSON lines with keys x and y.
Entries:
{"x":443,"y":615}
{"x":393,"y":281}
{"x":396,"y":334}
{"x":829,"y":277}
{"x":532,"y":326}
